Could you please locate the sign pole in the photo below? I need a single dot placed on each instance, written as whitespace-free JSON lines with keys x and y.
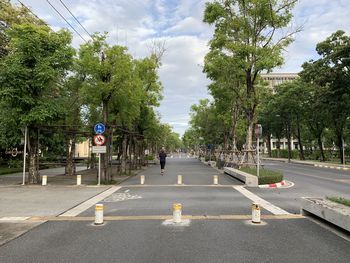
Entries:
{"x":24,"y":155}
{"x":99,"y":169}
{"x":257,"y":147}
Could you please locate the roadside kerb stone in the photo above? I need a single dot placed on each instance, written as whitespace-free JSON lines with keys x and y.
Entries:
{"x":212,"y":163}
{"x":248,"y":179}
{"x":332,"y":212}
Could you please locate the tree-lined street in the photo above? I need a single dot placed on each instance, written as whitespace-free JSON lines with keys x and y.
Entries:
{"x":128,"y":236}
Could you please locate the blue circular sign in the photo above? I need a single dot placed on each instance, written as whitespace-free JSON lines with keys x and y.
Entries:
{"x":99,"y":128}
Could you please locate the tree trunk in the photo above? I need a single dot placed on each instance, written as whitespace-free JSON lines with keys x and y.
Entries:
{"x":70,"y":168}
{"x":268,"y":140}
{"x":124,"y":154}
{"x":319,"y":140}
{"x":340,"y":147}
{"x":278,"y":146}
{"x":249,"y":141}
{"x":33,"y":153}
{"x":301,"y":148}
{"x":289,"y":135}
{"x":105,"y":173}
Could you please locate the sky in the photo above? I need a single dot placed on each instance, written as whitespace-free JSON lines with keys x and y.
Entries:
{"x":136,"y":23}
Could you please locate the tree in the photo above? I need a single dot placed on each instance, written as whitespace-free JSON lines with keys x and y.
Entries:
{"x":246,"y":32}
{"x":11,"y":15}
{"x":28,"y":81}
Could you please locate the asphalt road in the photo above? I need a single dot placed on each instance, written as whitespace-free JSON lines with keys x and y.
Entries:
{"x":200,"y":240}
{"x":309,"y":181}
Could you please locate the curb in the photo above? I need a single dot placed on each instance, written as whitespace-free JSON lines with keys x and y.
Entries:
{"x":275,"y":185}
{"x":332,"y":167}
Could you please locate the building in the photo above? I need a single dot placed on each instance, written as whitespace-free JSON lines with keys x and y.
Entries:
{"x":275,"y":79}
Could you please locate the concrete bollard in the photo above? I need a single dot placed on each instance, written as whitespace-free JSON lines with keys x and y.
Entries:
{"x":179,"y":179}
{"x":44,"y":180}
{"x":216,"y":179}
{"x":256,"y":213}
{"x":78,"y":179}
{"x":99,"y":214}
{"x":142,"y":179}
{"x":177,"y":211}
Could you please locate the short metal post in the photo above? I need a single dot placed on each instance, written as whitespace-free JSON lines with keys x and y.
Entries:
{"x":256,"y":213}
{"x":177,"y":212}
{"x":44,"y":180}
{"x":179,"y":179}
{"x":99,"y":214}
{"x":79,"y":179}
{"x":216,"y":179}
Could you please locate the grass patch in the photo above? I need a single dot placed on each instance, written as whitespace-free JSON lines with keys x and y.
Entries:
{"x":265,"y":176}
{"x":339,"y":200}
{"x":7,"y":170}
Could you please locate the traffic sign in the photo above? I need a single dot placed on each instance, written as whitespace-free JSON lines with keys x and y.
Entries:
{"x":99,"y":140}
{"x":99,"y":149}
{"x":99,"y":128}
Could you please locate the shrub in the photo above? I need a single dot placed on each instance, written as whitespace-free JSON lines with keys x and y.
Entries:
{"x":339,"y":200}
{"x":265,"y":176}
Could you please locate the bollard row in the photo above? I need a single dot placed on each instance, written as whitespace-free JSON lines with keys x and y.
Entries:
{"x":44,"y":180}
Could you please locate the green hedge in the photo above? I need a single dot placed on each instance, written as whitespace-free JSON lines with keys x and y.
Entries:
{"x":265,"y":176}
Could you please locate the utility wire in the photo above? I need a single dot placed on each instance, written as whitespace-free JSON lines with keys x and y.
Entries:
{"x":75,"y":18}
{"x":26,"y":7}
{"x":65,"y":20}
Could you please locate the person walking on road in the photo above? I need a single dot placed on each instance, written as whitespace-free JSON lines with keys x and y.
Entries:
{"x":162,"y":158}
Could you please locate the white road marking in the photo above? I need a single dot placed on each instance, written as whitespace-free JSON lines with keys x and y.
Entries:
{"x":89,"y":203}
{"x":265,"y":204}
{"x":126,"y":191}
{"x":13,"y":218}
{"x":170,"y":222}
{"x":121,"y":197}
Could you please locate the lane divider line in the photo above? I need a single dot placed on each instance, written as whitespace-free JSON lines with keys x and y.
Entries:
{"x":89,"y":203}
{"x":262,"y":202}
{"x":166,"y":217}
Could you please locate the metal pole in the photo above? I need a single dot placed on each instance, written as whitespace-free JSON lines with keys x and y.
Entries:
{"x":257,"y":147}
{"x":99,"y":169}
{"x":24,"y":155}
{"x":343,"y":152}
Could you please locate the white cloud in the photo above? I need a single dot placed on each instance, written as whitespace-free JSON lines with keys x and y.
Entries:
{"x":179,"y":22}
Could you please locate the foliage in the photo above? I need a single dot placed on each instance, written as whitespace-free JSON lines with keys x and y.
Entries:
{"x":339,"y":200}
{"x":265,"y":176}
{"x":245,"y":44}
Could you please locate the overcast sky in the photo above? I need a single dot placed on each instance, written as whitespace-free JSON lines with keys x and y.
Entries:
{"x":179,"y":22}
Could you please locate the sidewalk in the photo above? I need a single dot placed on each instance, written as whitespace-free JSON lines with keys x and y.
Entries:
{"x":18,"y":202}
{"x":313,"y":163}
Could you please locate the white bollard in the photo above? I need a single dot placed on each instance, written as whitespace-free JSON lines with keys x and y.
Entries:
{"x":216,"y":179}
{"x":256,"y":213}
{"x":142,"y":179}
{"x":179,"y":179}
{"x":78,"y":179}
{"x":177,"y":211}
{"x":44,"y":180}
{"x":99,"y":214}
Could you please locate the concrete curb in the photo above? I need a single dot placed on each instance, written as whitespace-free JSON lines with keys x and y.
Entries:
{"x":332,"y":212}
{"x":275,"y":185}
{"x":248,"y":179}
{"x":332,"y":167}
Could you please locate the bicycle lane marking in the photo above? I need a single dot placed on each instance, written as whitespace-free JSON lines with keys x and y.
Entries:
{"x":265,"y":204}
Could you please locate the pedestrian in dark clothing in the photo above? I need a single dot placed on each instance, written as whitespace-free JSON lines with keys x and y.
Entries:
{"x":162,"y":158}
